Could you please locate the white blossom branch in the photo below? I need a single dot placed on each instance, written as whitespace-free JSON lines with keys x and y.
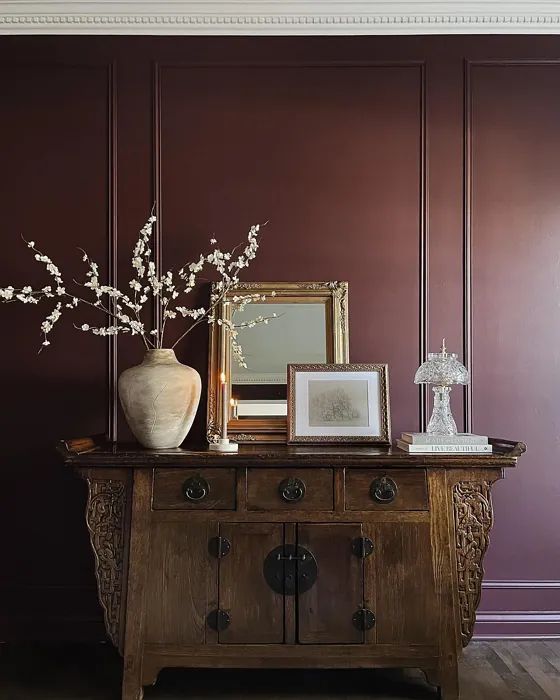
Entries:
{"x":125,"y":313}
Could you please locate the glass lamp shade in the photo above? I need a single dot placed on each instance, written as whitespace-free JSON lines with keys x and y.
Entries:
{"x":442,"y":369}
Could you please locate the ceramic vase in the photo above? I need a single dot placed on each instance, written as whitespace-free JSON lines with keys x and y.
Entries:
{"x":160,"y":397}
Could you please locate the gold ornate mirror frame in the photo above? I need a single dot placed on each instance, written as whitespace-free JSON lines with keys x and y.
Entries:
{"x":272,"y":429}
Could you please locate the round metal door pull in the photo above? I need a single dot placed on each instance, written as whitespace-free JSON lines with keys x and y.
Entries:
{"x":290,"y":569}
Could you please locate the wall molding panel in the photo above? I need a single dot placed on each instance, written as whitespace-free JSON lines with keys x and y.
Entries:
{"x":414,"y":90}
{"x":423,"y":255}
{"x":44,"y":604}
{"x":497,"y":195}
{"x":156,"y":179}
{"x":112,"y":340}
{"x":468,"y":243}
{"x":467,"y":246}
{"x":264,"y":17}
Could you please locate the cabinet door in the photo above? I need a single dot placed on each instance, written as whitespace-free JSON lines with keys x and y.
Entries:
{"x":325,"y":611}
{"x":181,"y":582}
{"x":399,"y":584}
{"x":256,"y":612}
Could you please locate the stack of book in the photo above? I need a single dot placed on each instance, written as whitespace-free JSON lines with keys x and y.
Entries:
{"x":466,"y":443}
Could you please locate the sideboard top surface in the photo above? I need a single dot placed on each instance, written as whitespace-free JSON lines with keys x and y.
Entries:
{"x":96,"y":452}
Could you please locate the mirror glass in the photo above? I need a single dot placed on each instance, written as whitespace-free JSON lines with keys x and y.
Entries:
{"x":298,"y":334}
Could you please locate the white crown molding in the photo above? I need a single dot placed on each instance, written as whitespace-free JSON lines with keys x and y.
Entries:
{"x":272,"y":17}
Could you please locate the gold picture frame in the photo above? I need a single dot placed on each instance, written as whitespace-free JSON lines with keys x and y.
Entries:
{"x":271,"y":429}
{"x":350,"y":405}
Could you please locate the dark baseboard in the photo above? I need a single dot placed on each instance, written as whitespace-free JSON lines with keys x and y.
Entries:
{"x":519,"y":609}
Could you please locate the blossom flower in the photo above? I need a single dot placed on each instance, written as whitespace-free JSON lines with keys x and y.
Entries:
{"x":124,"y":312}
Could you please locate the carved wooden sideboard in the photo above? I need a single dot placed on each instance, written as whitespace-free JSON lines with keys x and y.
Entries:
{"x":288,"y":556}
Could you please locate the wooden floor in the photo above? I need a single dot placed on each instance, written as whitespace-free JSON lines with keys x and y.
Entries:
{"x":489,"y":671}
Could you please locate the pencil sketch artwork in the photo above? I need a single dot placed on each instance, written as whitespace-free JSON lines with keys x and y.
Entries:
{"x":340,"y":402}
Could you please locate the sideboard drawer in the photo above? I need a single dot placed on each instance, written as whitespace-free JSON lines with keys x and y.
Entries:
{"x":198,"y":489}
{"x":380,"y":489}
{"x":290,"y":489}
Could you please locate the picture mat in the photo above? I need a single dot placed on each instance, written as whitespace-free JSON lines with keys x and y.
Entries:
{"x":302,"y":427}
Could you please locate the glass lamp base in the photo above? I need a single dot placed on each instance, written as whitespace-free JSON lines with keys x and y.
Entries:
{"x":441,"y":422}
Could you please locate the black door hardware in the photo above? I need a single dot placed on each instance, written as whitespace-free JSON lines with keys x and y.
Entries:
{"x":290,"y":569}
{"x":292,"y":490}
{"x":196,"y":488}
{"x":383,"y":490}
{"x":218,"y":620}
{"x":219,"y":547}
{"x":362,"y":547}
{"x":363,"y":619}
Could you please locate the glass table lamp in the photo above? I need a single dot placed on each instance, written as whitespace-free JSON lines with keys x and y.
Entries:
{"x":442,"y":369}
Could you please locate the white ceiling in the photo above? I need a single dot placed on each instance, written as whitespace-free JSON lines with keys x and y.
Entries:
{"x":272,"y":17}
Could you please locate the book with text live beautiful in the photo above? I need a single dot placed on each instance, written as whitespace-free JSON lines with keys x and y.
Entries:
{"x":459,"y":449}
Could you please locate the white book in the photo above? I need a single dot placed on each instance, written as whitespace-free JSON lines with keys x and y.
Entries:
{"x":459,"y":439}
{"x":431,"y":449}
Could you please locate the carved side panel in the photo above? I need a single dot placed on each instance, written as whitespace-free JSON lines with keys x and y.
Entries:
{"x":105,"y":516}
{"x":472,"y":506}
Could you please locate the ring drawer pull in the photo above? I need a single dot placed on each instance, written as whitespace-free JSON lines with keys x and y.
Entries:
{"x":196,"y":489}
{"x":292,"y":490}
{"x":383,"y":490}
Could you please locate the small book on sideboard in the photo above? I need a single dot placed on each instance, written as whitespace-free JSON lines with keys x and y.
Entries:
{"x":420,"y":443}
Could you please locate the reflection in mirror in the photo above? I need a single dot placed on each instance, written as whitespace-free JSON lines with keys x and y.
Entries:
{"x":297,"y":334}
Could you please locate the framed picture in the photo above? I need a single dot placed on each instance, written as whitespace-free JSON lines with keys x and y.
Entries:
{"x":338,"y":403}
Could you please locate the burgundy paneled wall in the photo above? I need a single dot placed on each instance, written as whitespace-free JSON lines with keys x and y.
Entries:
{"x":422,"y":170}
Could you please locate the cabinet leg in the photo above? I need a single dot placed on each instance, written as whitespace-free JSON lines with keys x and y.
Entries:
{"x":131,"y":685}
{"x":432,"y":676}
{"x":449,"y":681}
